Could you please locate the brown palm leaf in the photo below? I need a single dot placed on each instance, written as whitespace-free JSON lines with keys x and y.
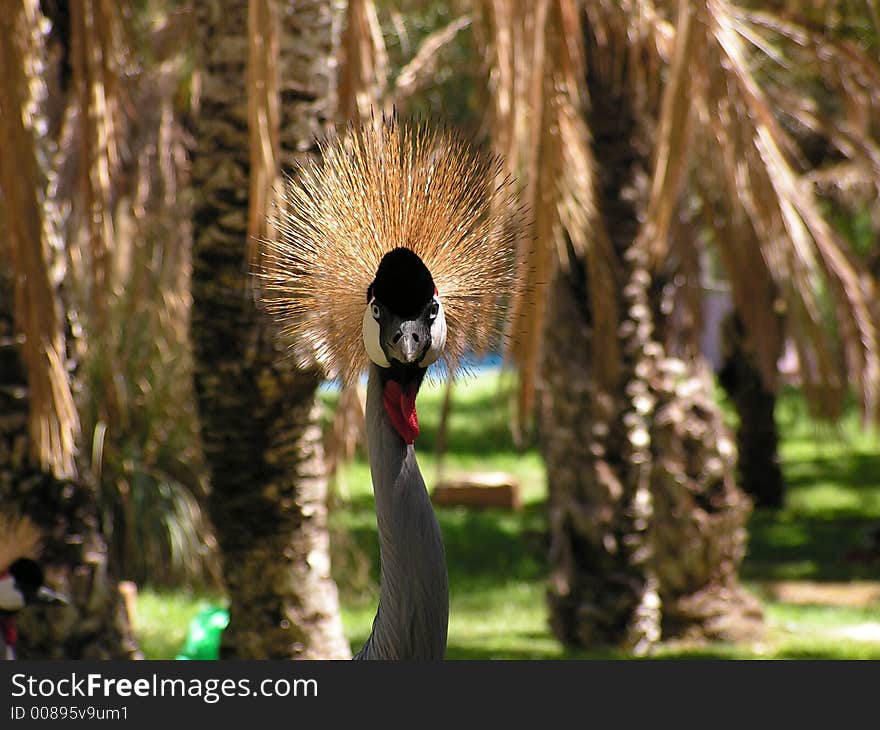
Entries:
{"x":691,"y":65}
{"x":421,"y":68}
{"x":34,"y":242}
{"x":363,"y":70}
{"x":264,"y":120}
{"x":95,"y":50}
{"x":793,"y":253}
{"x":538,"y":125}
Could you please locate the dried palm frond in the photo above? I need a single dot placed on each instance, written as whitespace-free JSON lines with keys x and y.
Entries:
{"x":135,"y":370}
{"x":777,"y":248}
{"x":634,"y":40}
{"x":673,"y":145}
{"x":149,"y":464}
{"x":140,"y":359}
{"x":365,"y":86}
{"x":347,"y":430}
{"x":538,"y":67}
{"x":843,"y":107}
{"x":420,"y":70}
{"x":847,"y":183}
{"x":800,"y":249}
{"x":581,"y":222}
{"x":363,"y":69}
{"x":515,"y":34}
{"x":19,"y":538}
{"x":380,"y":186}
{"x":264,"y":119}
{"x":95,"y":48}
{"x":34,"y":242}
{"x":717,"y":139}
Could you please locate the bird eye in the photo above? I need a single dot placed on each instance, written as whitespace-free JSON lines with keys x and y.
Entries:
{"x":435,"y":309}
{"x":375,"y":310}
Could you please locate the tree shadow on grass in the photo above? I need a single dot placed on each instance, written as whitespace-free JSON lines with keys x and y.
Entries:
{"x":484,"y":549}
{"x":856,"y":470}
{"x":825,"y":532}
{"x":808,"y":548}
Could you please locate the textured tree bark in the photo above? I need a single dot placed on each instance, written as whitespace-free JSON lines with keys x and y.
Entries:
{"x":646,"y":522}
{"x":603,"y":590}
{"x":757,"y":437}
{"x":257,"y":407}
{"x":700,"y":513}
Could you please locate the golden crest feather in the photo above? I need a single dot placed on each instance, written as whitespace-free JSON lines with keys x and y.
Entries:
{"x":380,"y":186}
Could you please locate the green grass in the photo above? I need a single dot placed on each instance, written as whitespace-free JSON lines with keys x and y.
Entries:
{"x":496,"y":560}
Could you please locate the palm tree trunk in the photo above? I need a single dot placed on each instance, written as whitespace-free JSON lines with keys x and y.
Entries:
{"x":603,"y":590}
{"x":258,"y":413}
{"x":757,"y":437}
{"x":646,"y":522}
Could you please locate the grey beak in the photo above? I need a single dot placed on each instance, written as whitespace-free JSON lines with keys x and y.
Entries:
{"x":47,"y":595}
{"x":410,"y":341}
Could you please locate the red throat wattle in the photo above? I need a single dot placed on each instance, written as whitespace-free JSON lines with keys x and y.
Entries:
{"x":400,"y":405}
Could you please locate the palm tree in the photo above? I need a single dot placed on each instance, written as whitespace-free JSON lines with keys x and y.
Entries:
{"x":621,"y":122}
{"x":259,"y":419}
{"x":38,"y":432}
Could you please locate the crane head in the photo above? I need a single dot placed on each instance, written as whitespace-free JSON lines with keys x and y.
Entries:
{"x":415,"y":217}
{"x":404,"y":319}
{"x":404,"y":331}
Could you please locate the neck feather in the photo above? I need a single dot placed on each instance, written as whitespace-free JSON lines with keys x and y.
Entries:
{"x":412,"y":619}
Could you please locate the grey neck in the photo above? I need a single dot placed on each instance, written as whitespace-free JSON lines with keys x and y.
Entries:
{"x":413,"y":614}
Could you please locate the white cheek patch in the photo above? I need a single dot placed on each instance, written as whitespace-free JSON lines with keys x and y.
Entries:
{"x":11,"y":598}
{"x":371,"y":333}
{"x":438,"y":338}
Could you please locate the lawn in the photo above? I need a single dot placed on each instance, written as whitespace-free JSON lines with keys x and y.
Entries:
{"x":821,"y":599}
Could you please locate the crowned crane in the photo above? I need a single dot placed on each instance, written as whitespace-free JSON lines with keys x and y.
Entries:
{"x":21,"y":579}
{"x":395,"y":248}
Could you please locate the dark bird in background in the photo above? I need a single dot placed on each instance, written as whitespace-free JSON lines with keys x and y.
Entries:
{"x":395,"y":250}
{"x":21,"y":579}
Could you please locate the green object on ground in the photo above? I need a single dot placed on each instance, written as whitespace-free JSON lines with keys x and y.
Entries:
{"x":203,"y":638}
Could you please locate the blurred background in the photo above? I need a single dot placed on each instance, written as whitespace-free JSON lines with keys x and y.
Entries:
{"x":675,"y":455}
